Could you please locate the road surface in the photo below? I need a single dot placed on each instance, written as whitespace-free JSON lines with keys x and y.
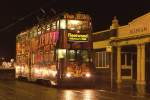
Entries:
{"x":18,"y":90}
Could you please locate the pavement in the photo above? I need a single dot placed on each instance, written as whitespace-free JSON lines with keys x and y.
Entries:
{"x":126,"y":88}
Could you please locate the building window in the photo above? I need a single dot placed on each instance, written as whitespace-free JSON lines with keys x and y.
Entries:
{"x":102,"y":59}
{"x":126,"y":58}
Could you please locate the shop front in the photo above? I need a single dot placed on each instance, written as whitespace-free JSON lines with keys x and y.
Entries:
{"x":130,"y":55}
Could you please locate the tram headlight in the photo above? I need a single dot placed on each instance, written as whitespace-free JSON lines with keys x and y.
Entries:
{"x":88,"y":75}
{"x":68,"y":75}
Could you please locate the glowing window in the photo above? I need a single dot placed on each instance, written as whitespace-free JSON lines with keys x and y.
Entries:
{"x":62,"y":24}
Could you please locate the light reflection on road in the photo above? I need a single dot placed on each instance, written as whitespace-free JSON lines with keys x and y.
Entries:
{"x":68,"y":95}
{"x":88,"y":94}
{"x":82,"y":94}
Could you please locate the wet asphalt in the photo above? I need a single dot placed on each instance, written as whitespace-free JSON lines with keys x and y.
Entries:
{"x":19,"y":90}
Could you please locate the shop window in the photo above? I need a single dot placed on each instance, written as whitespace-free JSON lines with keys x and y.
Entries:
{"x":102,"y":59}
{"x":96,"y":59}
{"x":122,"y":59}
{"x":128,"y":59}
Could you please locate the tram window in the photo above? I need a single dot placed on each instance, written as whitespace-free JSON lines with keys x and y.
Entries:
{"x":84,"y":25}
{"x":58,"y":24}
{"x":48,"y":27}
{"x":51,"y":56}
{"x":79,"y":55}
{"x":30,"y":34}
{"x":61,"y":53}
{"x":71,"y":55}
{"x":34,"y":33}
{"x":77,"y":24}
{"x":43,"y":28}
{"x":84,"y":55}
{"x":53,"y":26}
{"x":62,"y":24}
{"x":33,"y":58}
{"x":73,"y":24}
{"x":39,"y":31}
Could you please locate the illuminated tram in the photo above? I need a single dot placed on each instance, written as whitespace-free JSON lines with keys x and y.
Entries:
{"x":57,"y":49}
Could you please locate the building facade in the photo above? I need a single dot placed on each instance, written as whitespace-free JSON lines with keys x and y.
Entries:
{"x":123,"y":52}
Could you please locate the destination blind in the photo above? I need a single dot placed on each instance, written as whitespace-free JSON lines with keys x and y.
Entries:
{"x":77,"y":37}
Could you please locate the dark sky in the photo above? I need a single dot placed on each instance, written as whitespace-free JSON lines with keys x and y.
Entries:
{"x":16,"y":15}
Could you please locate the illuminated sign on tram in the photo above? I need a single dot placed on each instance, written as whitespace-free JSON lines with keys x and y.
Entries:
{"x":77,"y":16}
{"x":77,"y":37}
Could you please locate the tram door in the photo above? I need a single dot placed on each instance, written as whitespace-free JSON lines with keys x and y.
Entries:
{"x":127,"y":62}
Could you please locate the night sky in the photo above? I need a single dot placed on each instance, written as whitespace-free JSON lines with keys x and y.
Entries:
{"x":16,"y":15}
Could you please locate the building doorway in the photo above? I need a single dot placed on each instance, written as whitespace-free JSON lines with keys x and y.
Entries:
{"x":128,"y":62}
{"x":147,"y":62}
